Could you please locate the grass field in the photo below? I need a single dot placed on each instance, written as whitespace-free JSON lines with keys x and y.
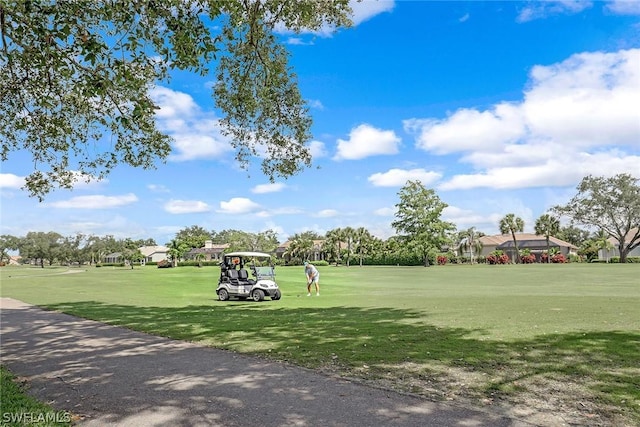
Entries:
{"x":542,"y":339}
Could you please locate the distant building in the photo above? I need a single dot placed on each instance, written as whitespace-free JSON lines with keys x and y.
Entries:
{"x":212,"y":251}
{"x":316,"y":251}
{"x":613,"y":251}
{"x":536,"y":244}
{"x":154,"y":253}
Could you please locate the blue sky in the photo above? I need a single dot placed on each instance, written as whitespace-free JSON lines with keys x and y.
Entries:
{"x":501,"y":107}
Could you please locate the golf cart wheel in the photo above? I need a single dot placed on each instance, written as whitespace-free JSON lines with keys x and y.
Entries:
{"x":258,"y":295}
{"x":223,"y":295}
{"x":277,"y":295}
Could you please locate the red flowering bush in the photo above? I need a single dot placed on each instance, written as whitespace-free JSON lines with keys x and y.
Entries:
{"x":558,"y":259}
{"x":497,"y":257}
{"x":442,"y":260}
{"x":528,"y":259}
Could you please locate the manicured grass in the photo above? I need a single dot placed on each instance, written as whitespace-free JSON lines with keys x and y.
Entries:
{"x":19,"y":409}
{"x":486,"y":333}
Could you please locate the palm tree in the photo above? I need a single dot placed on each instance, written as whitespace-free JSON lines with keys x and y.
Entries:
{"x":200,"y":257}
{"x":362,"y":240}
{"x":602,"y":242}
{"x":300,"y":247}
{"x":512,"y":224}
{"x":334,"y":241}
{"x":348,"y":234}
{"x":177,"y":249}
{"x":470,"y":241}
{"x":547,"y":225}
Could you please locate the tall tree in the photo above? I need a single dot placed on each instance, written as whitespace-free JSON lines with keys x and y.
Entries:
{"x":76,"y":80}
{"x":362,"y":240}
{"x":512,"y":224}
{"x":193,"y":236}
{"x":418,"y":219}
{"x":611,"y":204}
{"x":348,"y":235}
{"x":177,"y":249}
{"x":40,"y":246}
{"x":335,"y":238}
{"x":300,"y":246}
{"x":547,"y":226}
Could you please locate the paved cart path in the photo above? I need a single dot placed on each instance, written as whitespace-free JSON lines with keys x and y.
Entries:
{"x":114,"y":376}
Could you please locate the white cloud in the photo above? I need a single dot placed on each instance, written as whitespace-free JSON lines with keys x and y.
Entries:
{"x":399,"y":177}
{"x":385,"y":211}
{"x":238,"y":205}
{"x":624,"y":7}
{"x":9,"y":180}
{"x":577,"y":117}
{"x":173,"y":104}
{"x":464,"y":18}
{"x":94,"y":202}
{"x":544,"y":9}
{"x":186,"y":206}
{"x":268,"y":188}
{"x":468,"y":129}
{"x":365,"y":141}
{"x":363,"y":11}
{"x":316,"y":104}
{"x":327,"y":213}
{"x":317,"y":149}
{"x":197,"y":134}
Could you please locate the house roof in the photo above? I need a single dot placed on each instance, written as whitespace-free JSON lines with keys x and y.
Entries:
{"x":283,"y":247}
{"x":215,"y":250}
{"x":532,"y":239}
{"x":150,"y":250}
{"x":627,"y":237}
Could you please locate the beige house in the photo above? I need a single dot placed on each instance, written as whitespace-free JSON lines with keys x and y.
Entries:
{"x":154,"y":253}
{"x":212,"y":251}
{"x":536,"y":244}
{"x":613,"y":251}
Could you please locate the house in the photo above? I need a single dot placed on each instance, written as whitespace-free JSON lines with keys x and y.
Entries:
{"x":613,"y":251}
{"x":536,"y":244}
{"x":154,"y":253}
{"x":112,"y":258}
{"x":316,"y":251}
{"x":212,"y":251}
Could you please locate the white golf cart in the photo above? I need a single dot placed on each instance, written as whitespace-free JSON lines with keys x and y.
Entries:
{"x":235,"y":281}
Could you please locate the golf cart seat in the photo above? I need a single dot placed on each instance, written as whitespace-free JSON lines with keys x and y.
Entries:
{"x":232,"y":274}
{"x":243,"y":277}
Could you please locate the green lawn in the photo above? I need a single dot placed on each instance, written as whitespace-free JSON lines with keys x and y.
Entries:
{"x":551,"y":337}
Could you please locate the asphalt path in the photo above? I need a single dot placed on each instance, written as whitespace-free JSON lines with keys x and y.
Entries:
{"x":112,"y":376}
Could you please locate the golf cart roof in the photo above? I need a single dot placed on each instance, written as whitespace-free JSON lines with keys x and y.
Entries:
{"x":249,"y":254}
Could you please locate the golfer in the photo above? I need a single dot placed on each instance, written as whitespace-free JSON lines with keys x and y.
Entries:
{"x":313,"y":276}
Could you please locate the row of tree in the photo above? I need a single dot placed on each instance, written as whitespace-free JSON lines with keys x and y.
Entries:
{"x":611,"y":206}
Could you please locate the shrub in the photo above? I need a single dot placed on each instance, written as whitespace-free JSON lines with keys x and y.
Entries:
{"x":558,"y":259}
{"x":497,"y":257}
{"x":164,"y":264}
{"x":575,"y":258}
{"x":442,"y":260}
{"x":528,"y":259}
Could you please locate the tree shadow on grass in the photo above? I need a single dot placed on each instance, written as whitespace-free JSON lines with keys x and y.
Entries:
{"x":399,"y":347}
